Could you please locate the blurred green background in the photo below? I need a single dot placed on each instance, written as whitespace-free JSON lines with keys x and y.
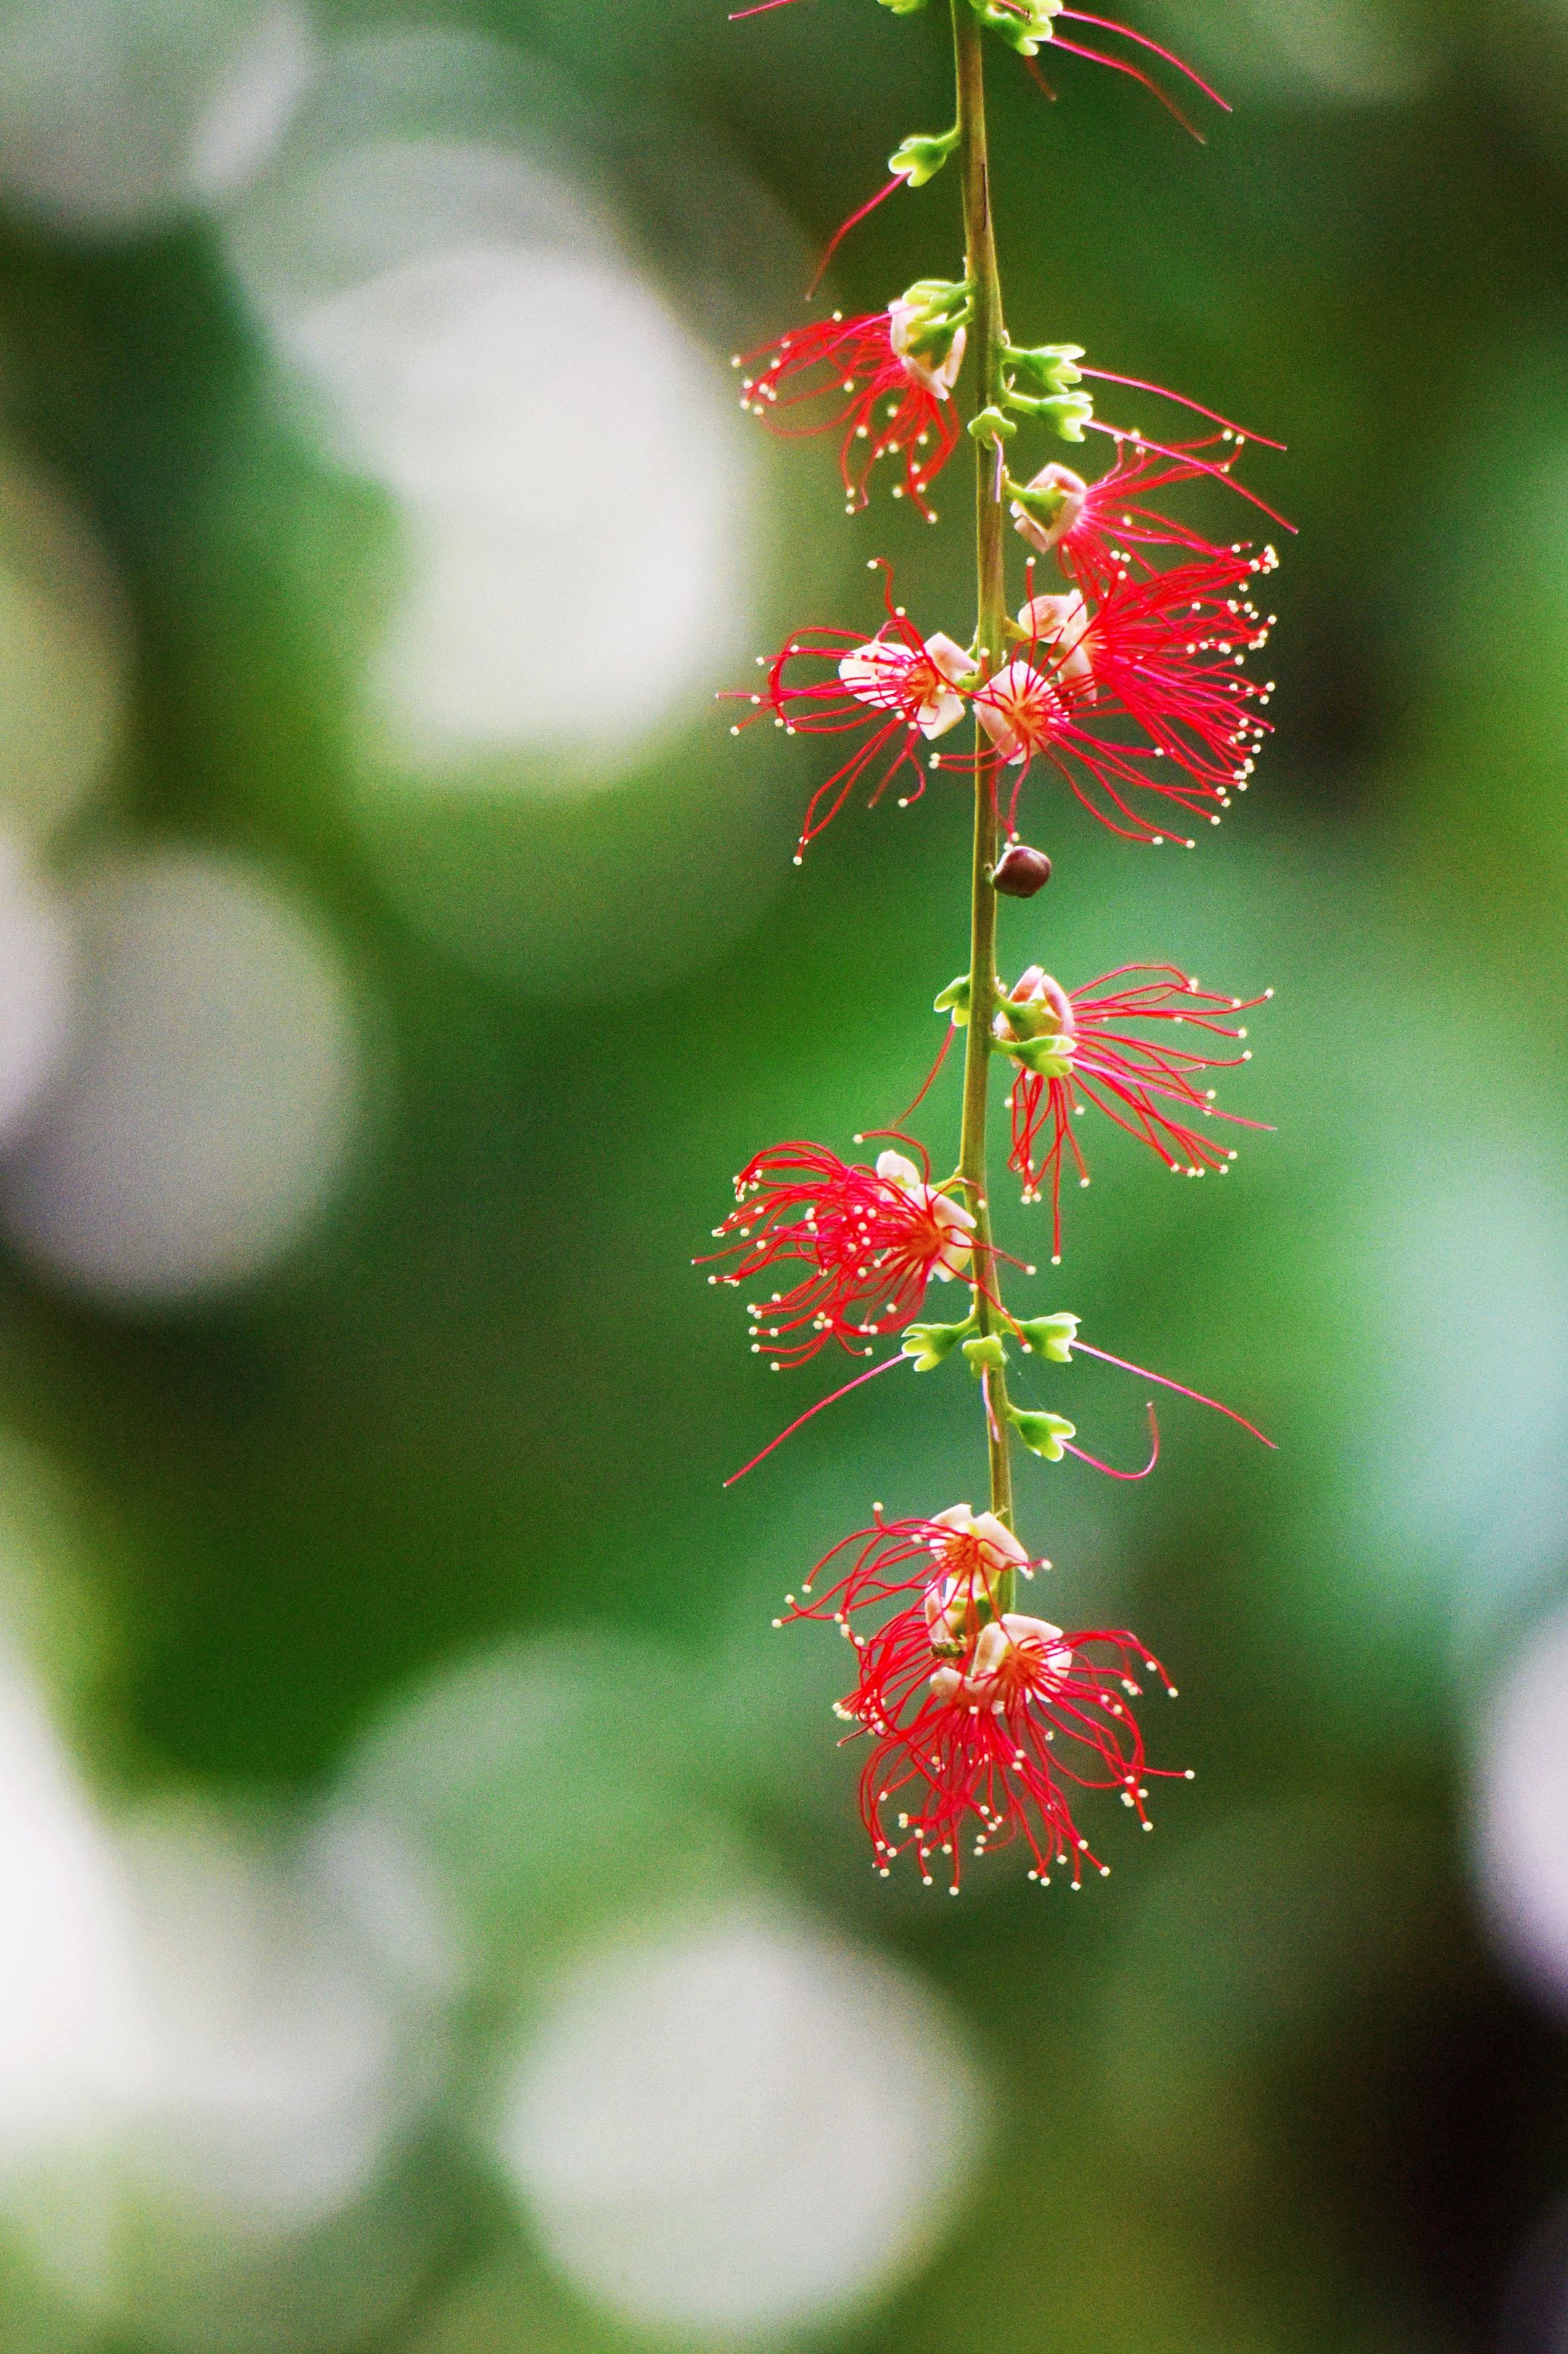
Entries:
{"x":434,"y":1913}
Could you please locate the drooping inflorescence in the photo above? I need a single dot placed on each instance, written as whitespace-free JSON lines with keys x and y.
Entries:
{"x":1118,"y":668}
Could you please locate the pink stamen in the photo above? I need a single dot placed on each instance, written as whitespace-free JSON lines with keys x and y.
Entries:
{"x":1198,"y":465}
{"x":844,"y":228}
{"x":1134,"y":73}
{"x":1181,"y":1389}
{"x":930,"y":1076}
{"x":1163,"y":392}
{"x":1109,"y":1469}
{"x":1104,"y":25}
{"x":858,"y":1382}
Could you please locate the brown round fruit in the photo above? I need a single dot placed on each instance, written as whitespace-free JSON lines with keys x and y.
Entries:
{"x":1019,"y":872}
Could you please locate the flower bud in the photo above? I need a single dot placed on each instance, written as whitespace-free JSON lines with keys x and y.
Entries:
{"x":1049,"y":506}
{"x":1023,"y":23}
{"x":1044,"y":1435}
{"x":1052,"y":1336}
{"x":925,"y":323}
{"x":920,"y":158}
{"x":1019,"y":873}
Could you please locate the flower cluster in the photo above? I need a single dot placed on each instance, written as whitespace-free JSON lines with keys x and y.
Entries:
{"x":870,"y":1239}
{"x":883,"y":382}
{"x":1128,"y":682}
{"x":983,"y":1720}
{"x":1082,"y":1047}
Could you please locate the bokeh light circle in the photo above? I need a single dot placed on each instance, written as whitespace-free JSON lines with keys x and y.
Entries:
{"x":738,"y":2125}
{"x":117,"y":115}
{"x":62,"y":655}
{"x":1521,"y":1804}
{"x":206,"y":1115}
{"x":573,"y":493}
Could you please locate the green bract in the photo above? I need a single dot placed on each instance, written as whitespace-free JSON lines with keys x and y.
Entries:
{"x":1023,"y":23}
{"x":1045,"y":1434}
{"x":922,"y":157}
{"x":1052,"y":1336}
{"x":1048,"y":1058}
{"x":955,"y":999}
{"x":985,"y":1357}
{"x":990,"y":425}
{"x":903,"y":7}
{"x":1066,"y":413}
{"x":931,"y":1345}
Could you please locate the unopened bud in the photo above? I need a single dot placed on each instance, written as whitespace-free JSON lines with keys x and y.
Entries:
{"x":1019,"y":872}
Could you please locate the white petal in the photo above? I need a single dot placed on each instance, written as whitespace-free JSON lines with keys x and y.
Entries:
{"x":939,"y":713}
{"x":952,"y":659}
{"x":875,"y":674}
{"x":895,"y":1170}
{"x":1000,"y":1539}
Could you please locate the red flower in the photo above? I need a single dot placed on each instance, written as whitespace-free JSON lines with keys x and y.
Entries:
{"x":870,"y":1239}
{"x":894,"y":690}
{"x":988,"y":1745}
{"x":1119,"y":694}
{"x":1102,"y":530}
{"x":835,"y":376}
{"x":975,"y":1710}
{"x":1085,"y":1047}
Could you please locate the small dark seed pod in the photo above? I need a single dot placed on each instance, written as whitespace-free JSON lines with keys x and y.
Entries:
{"x":1019,"y":872}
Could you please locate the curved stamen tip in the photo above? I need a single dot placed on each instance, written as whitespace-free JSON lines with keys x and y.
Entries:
{"x":1109,"y":1468}
{"x":1105,"y":25}
{"x":886,"y":1366}
{"x":1181,"y":1389}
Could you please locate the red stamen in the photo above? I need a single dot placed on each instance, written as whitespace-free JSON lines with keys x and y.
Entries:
{"x":1163,"y":392}
{"x":1134,"y":73}
{"x":930,"y":1076}
{"x":844,"y":228}
{"x":1109,"y":1469}
{"x":1181,"y":1389}
{"x":860,"y":1378}
{"x":1104,"y":25}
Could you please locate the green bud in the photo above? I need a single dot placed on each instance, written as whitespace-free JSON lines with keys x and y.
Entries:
{"x":1065,"y":413}
{"x":1032,"y":1017}
{"x":920,"y":158}
{"x":1044,"y":505}
{"x":990,"y":425}
{"x":1050,"y":367}
{"x":903,"y":7}
{"x":1052,"y":1337}
{"x":1048,"y":1058}
{"x":955,"y":999}
{"x":1023,"y":23}
{"x":1044,"y":1435}
{"x":985,"y":1357}
{"x":931,"y":1345}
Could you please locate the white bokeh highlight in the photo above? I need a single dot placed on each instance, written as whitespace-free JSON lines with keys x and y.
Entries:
{"x":1521,"y":1808}
{"x":73,"y":2047}
{"x":575,"y":496}
{"x":37,"y":986}
{"x":117,"y":116}
{"x":740,"y":2126}
{"x":206,"y":1115}
{"x":63,"y":654}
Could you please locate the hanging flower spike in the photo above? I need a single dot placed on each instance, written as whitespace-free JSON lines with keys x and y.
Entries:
{"x":882,"y":381}
{"x":1083,"y":1048}
{"x":870,"y":1239}
{"x":983,"y":1748}
{"x":896,"y":690}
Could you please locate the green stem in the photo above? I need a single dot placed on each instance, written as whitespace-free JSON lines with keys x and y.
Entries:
{"x":989,"y":342}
